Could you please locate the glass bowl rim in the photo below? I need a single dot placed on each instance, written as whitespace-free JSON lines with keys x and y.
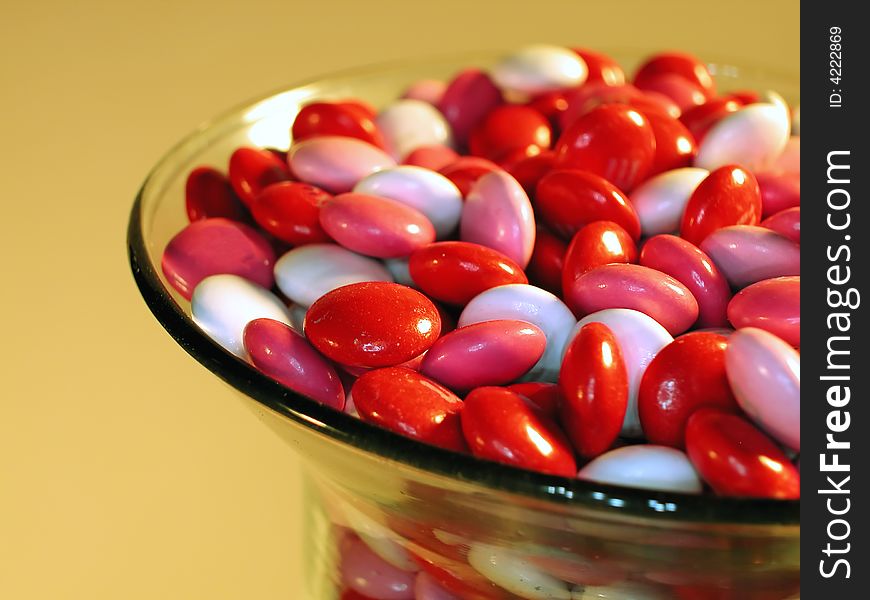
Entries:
{"x":344,"y":428}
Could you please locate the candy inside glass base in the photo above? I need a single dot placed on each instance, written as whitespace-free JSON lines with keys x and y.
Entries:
{"x":480,"y":529}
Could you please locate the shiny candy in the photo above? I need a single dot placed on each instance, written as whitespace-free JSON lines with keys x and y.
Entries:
{"x":601,"y":67}
{"x":426,"y":191}
{"x":510,"y":128}
{"x":410,"y":124}
{"x":336,"y":164}
{"x":686,"y":263}
{"x":469,"y":97}
{"x":216,"y":246}
{"x":636,"y":287}
{"x":539,"y":68}
{"x":568,"y":199}
{"x":736,"y":459}
{"x":500,"y":425}
{"x":675,"y":145}
{"x":727,"y":196}
{"x":368,"y":574}
{"x":434,"y":157}
{"x":372,"y":324}
{"x":290,"y":211}
{"x":687,"y":374}
{"x":753,"y":136}
{"x":614,"y":141}
{"x":746,"y":255}
{"x":306,"y":273}
{"x":548,"y":261}
{"x":252,"y":169}
{"x":683,"y":92}
{"x":410,"y":404}
{"x":594,"y":385}
{"x":786,"y":223}
{"x":375,"y":226}
{"x":533,"y":305}
{"x":498,"y":214}
{"x":284,"y":355}
{"x":773,"y":305}
{"x":661,"y":200}
{"x":765,"y":374}
{"x":645,"y":466}
{"x":335,"y":119}
{"x":208,"y":194}
{"x":516,"y":574}
{"x":487,"y":353}
{"x":222,"y":305}
{"x":456,"y":272}
{"x":681,"y":64}
{"x":779,"y":191}
{"x":466,"y":170}
{"x":640,"y":338}
{"x":597,"y":244}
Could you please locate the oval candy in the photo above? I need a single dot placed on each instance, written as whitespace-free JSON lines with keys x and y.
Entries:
{"x":252,"y":169}
{"x":531,"y":304}
{"x":758,"y":362}
{"x":644,"y":466}
{"x":426,"y":191}
{"x":408,"y":403}
{"x":306,"y":273}
{"x":396,"y":325}
{"x":548,"y":262}
{"x":335,"y":163}
{"x":747,"y":254}
{"x":469,"y":97}
{"x":222,"y":305}
{"x":466,"y":170}
{"x":681,"y":64}
{"x":516,"y":574}
{"x":661,"y":200}
{"x":216,"y":246}
{"x":727,"y":196}
{"x":410,"y":124}
{"x":786,"y":223}
{"x":335,"y":119}
{"x":598,"y":243}
{"x":539,"y":68}
{"x":509,"y":128}
{"x":208,"y":194}
{"x":290,"y":210}
{"x":487,"y":353}
{"x":368,"y":574}
{"x":434,"y":157}
{"x":375,"y":226}
{"x":753,"y":136}
{"x":284,"y":355}
{"x":773,"y":305}
{"x":498,"y":214}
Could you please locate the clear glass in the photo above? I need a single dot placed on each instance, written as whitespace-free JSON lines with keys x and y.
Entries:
{"x":405,"y":498}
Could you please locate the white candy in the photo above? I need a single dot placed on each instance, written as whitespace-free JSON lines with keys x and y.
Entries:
{"x":539,"y":68}
{"x":398,"y":268}
{"x":644,"y":466}
{"x":528,"y":303}
{"x":640,"y":338}
{"x":379,"y":539}
{"x":619,"y":591}
{"x":409,"y":124}
{"x":661,"y":200}
{"x":752,"y":137}
{"x":222,"y":305}
{"x":429,"y":192}
{"x":306,"y":273}
{"x":516,"y":575}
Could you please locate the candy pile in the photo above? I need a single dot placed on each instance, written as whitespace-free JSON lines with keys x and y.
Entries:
{"x":538,"y":264}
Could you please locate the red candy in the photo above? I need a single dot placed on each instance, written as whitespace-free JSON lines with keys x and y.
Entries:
{"x":286,"y":357}
{"x":545,"y":396}
{"x":548,"y":262}
{"x":601,"y":67}
{"x":215,"y":247}
{"x":408,"y":403}
{"x":569,"y":199}
{"x":773,"y":305}
{"x":336,"y":118}
{"x":687,"y":374}
{"x":597,"y":244}
{"x":614,"y":141}
{"x":251,"y":170}
{"x":727,"y":196}
{"x":737,"y":459}
{"x":456,"y":272}
{"x":208,"y":194}
{"x":500,"y":425}
{"x":290,"y":211}
{"x":779,"y":191}
{"x":683,"y":92}
{"x":701,"y":118}
{"x":689,"y":265}
{"x":465,"y":170}
{"x":594,"y":385}
{"x":434,"y":157}
{"x":786,"y":223}
{"x":510,"y":128}
{"x":529,"y":170}
{"x":675,"y":145}
{"x":681,"y":64}
{"x":372,"y":324}
{"x":467,"y":100}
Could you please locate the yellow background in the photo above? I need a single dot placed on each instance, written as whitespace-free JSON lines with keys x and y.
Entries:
{"x":126,"y":470}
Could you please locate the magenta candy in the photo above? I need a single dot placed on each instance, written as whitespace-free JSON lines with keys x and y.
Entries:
{"x":469,"y":97}
{"x":336,"y":163}
{"x":747,"y":254}
{"x":498,"y":215}
{"x":365,"y":572}
{"x":285,"y":356}
{"x":686,"y":263}
{"x":375,"y":226}
{"x":786,"y":222}
{"x":652,"y":292}
{"x":215,"y":247}
{"x":779,"y":191}
{"x":482,"y":354}
{"x":773,"y":305}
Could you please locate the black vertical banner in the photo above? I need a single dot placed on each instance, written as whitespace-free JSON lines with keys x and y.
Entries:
{"x":835,"y":257}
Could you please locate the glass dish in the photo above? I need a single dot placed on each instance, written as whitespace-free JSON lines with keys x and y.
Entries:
{"x":435,"y":503}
